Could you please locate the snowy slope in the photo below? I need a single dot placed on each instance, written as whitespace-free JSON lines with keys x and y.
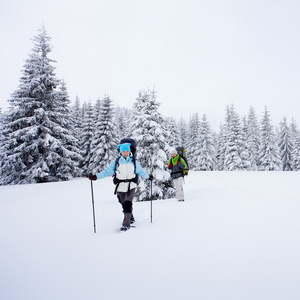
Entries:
{"x":237,"y":236}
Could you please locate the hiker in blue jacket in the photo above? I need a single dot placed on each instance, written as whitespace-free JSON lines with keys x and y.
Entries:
{"x":125,"y":168}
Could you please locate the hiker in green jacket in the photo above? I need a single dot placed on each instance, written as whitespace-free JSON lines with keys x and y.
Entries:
{"x":177,"y":165}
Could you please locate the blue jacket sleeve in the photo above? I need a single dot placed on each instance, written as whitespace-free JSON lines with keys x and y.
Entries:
{"x":109,"y":171}
{"x":139,"y":170}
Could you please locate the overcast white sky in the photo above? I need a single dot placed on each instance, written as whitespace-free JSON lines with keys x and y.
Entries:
{"x":199,"y":55}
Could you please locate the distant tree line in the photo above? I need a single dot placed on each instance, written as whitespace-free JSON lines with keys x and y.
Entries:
{"x":45,"y":139}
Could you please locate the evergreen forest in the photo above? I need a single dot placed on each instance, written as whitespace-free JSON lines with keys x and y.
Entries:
{"x":47,"y":138}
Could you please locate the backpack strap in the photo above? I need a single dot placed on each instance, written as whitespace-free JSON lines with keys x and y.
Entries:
{"x":117,"y":163}
{"x":180,"y":159}
{"x":134,"y":163}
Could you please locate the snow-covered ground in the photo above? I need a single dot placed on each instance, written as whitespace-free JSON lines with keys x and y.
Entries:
{"x":237,"y":236}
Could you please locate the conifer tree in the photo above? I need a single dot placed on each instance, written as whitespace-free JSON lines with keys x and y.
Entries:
{"x":221,"y":147}
{"x":296,"y":154}
{"x":296,"y":142}
{"x":173,"y":139}
{"x":104,"y":145}
{"x":1,"y":140}
{"x":1,"y":125}
{"x":88,"y":131}
{"x":84,"y":108}
{"x":149,"y":134}
{"x":223,"y":140}
{"x":193,"y":140}
{"x":205,"y":155}
{"x":122,"y":121}
{"x":252,"y":138}
{"x":97,"y":110}
{"x":63,"y":115}
{"x":236,"y":153}
{"x":269,"y":156}
{"x":294,"y":129}
{"x":36,"y":143}
{"x":286,"y":145}
{"x":77,"y":118}
{"x":183,"y":133}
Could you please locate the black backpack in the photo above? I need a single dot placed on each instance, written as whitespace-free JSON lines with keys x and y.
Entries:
{"x":132,"y":145}
{"x":182,"y":153}
{"x":117,"y":181}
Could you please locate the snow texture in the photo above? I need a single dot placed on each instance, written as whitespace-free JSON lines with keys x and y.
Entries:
{"x":235,"y":237}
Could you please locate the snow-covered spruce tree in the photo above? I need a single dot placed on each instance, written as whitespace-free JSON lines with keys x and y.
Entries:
{"x":149,"y":134}
{"x":221,"y":146}
{"x":88,"y":130}
{"x":183,"y":133}
{"x":174,"y":138}
{"x":36,"y":143}
{"x":1,"y":127}
{"x":244,"y":139}
{"x":223,"y":141}
{"x":193,"y":140}
{"x":77,"y":118}
{"x":84,"y":108}
{"x":205,"y":154}
{"x":244,"y":134}
{"x":236,"y":154}
{"x":269,"y":156}
{"x":122,"y":121}
{"x":286,"y":145}
{"x":296,"y":141}
{"x":1,"y":140}
{"x":296,"y":154}
{"x":294,"y":129}
{"x":104,"y":145}
{"x":252,"y":138}
{"x":65,"y":119}
{"x":97,"y":110}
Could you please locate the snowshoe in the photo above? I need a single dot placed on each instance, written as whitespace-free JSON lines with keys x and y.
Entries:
{"x":125,"y":228}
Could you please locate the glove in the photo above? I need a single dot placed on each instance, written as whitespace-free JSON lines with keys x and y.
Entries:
{"x":92,"y":177}
{"x":151,"y":177}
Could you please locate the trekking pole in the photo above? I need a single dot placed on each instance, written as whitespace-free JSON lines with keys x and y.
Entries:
{"x":93,"y":206}
{"x":151,"y":200}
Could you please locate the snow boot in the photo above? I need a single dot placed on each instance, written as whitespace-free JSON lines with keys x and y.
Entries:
{"x":132,"y":220}
{"x":124,"y":228}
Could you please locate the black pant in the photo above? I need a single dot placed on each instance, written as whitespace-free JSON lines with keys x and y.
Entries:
{"x":126,"y":201}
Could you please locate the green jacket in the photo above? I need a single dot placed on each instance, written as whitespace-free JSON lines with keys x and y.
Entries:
{"x":177,"y":165}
